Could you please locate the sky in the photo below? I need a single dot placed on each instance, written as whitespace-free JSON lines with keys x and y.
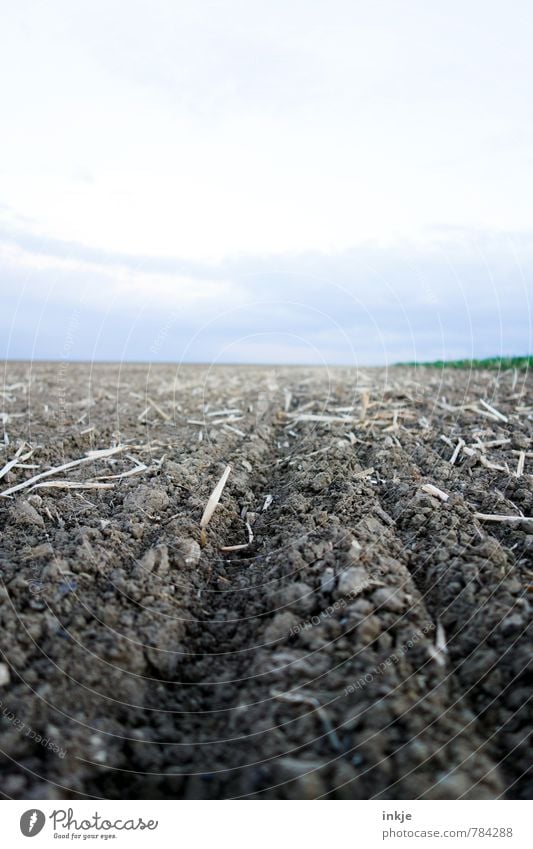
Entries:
{"x":292,"y":181}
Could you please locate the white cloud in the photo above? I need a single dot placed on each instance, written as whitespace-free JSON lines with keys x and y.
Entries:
{"x":214,"y":128}
{"x":368,"y":305}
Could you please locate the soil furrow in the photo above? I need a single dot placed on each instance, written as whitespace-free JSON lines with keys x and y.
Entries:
{"x":470,"y":583}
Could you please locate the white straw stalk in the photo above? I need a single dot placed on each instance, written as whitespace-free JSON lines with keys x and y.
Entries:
{"x":214,"y":498}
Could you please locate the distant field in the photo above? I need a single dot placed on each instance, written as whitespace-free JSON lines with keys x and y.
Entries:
{"x":501,"y":363}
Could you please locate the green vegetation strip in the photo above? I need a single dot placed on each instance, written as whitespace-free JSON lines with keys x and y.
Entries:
{"x":501,"y":363}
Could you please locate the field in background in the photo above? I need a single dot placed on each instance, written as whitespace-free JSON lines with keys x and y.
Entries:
{"x":499,"y":363}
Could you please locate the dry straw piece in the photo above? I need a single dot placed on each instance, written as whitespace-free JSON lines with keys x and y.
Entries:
{"x":17,"y":459}
{"x":497,"y":517}
{"x":457,"y":450}
{"x":243,"y":545}
{"x":496,"y":413}
{"x":313,"y":417}
{"x":435,"y":491}
{"x":214,"y":498}
{"x":89,"y":458}
{"x":72,"y":485}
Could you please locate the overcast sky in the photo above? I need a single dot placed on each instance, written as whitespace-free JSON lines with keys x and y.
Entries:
{"x":272,"y":181}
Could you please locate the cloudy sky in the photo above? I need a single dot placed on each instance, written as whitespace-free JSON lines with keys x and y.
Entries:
{"x":294,"y":181}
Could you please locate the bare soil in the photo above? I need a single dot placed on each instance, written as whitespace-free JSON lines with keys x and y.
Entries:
{"x":371,"y":640}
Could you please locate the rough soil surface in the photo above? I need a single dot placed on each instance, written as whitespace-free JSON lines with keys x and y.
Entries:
{"x":371,"y":641}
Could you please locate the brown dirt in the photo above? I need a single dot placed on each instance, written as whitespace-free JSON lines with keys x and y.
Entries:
{"x":310,"y":664}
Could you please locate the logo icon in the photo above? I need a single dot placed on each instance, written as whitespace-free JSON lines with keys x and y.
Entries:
{"x":32,"y":822}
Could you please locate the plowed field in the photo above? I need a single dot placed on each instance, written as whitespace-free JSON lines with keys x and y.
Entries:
{"x":351,"y":624}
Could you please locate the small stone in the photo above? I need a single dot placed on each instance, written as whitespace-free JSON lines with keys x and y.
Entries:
{"x":354,"y":552}
{"x":418,"y":520}
{"x":301,"y":778}
{"x":137,"y":530}
{"x":23,"y":513}
{"x":358,"y":611}
{"x":512,"y":625}
{"x":369,"y":630}
{"x":4,"y":674}
{"x":14,"y":785}
{"x":520,"y":441}
{"x":298,"y":503}
{"x":164,"y":660}
{"x":148,"y":499}
{"x":155,"y":560}
{"x":453,"y":786}
{"x":320,"y":482}
{"x":389,"y":599}
{"x":480,"y":664}
{"x":44,"y":550}
{"x":280,"y":627}
{"x":352,"y":582}
{"x":187,"y":553}
{"x":418,"y":750}
{"x":299,"y":597}
{"x":327,"y":580}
